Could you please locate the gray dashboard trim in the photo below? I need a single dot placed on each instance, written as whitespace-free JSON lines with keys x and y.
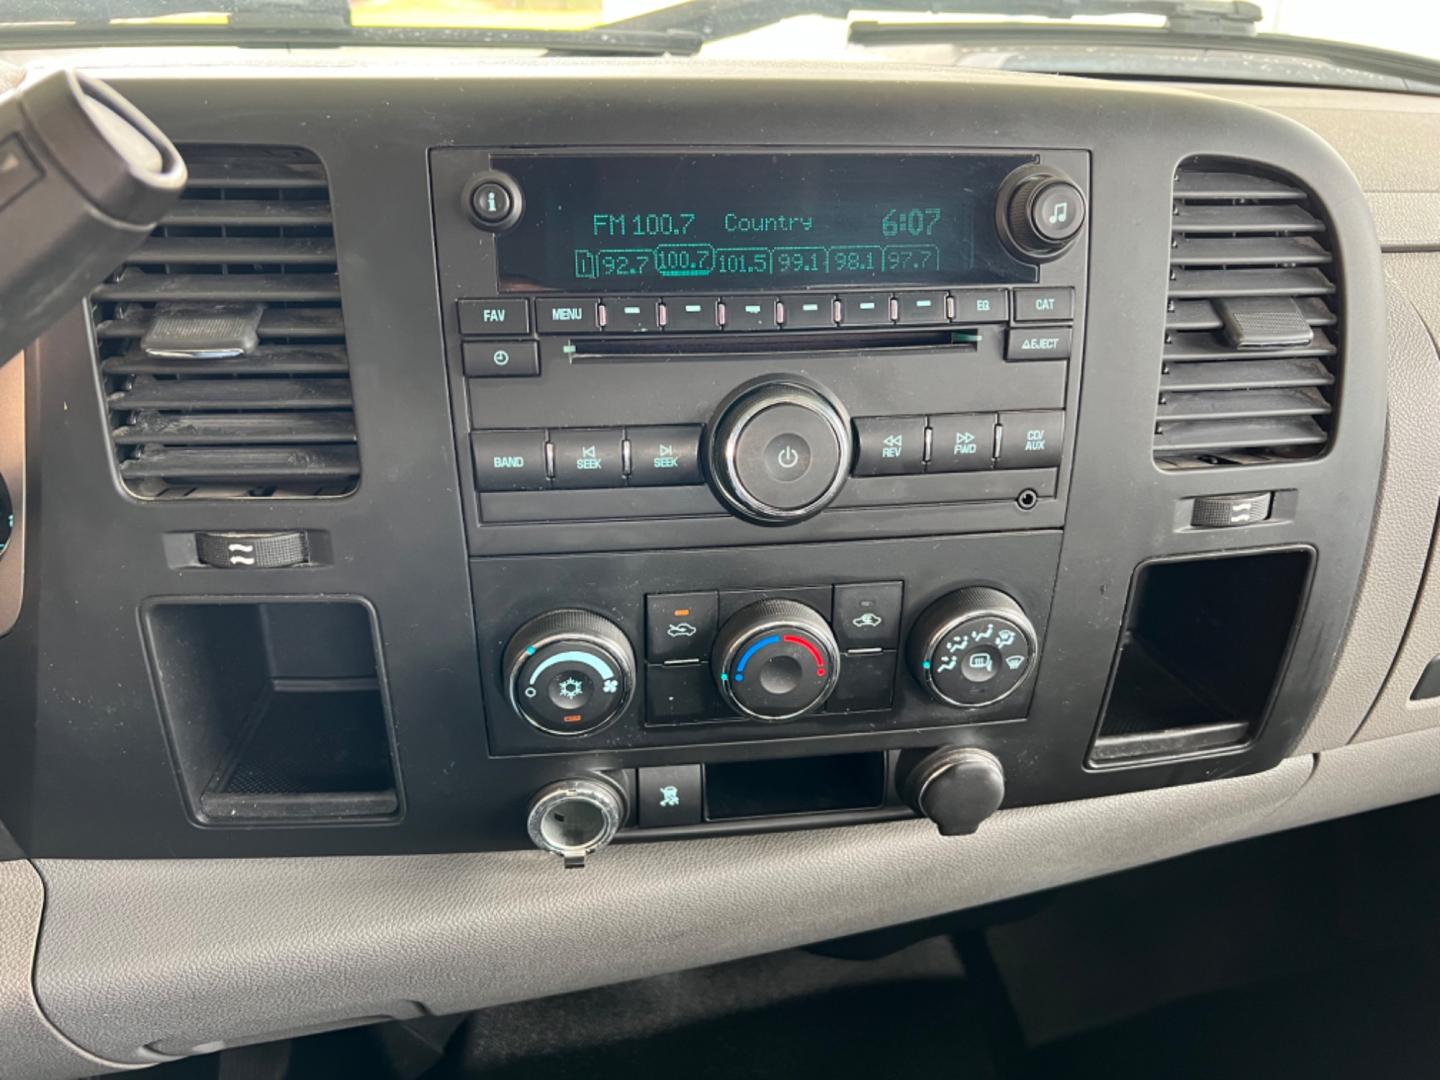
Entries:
{"x":30,"y":1047}
{"x":210,"y":949}
{"x":1400,"y":540}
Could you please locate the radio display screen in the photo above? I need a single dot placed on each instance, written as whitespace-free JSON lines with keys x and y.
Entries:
{"x":643,"y":223}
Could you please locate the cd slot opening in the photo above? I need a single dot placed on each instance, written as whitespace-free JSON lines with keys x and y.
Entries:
{"x":670,"y":346}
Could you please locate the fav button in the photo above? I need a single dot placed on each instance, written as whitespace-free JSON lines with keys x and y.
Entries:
{"x":501,"y":359}
{"x":481,"y":318}
{"x":889,"y":445}
{"x":1030,"y":440}
{"x":588,"y":458}
{"x":664,"y":455}
{"x":680,"y":626}
{"x":669,"y":795}
{"x":509,"y":460}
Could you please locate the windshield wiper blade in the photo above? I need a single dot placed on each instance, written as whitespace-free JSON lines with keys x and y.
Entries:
{"x":713,"y":19}
{"x":299,"y":23}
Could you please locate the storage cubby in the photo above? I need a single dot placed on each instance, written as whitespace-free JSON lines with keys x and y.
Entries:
{"x":1204,"y":644}
{"x":275,"y":710}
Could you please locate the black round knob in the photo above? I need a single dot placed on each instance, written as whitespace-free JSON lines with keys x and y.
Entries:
{"x":972,"y":647}
{"x":778,"y":451}
{"x":776,"y":660}
{"x":957,"y":788}
{"x":493,"y":201}
{"x":570,"y":672}
{"x":1040,"y":212}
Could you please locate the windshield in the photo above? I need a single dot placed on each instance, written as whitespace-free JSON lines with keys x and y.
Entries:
{"x":1047,"y":35}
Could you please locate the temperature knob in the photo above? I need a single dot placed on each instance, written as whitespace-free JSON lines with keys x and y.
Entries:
{"x":570,"y":672}
{"x":972,"y":647}
{"x":776,"y":660}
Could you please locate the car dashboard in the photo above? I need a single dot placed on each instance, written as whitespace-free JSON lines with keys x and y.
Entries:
{"x":800,"y":501}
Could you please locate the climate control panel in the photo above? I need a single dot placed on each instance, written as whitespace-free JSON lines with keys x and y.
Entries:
{"x":627,"y":663}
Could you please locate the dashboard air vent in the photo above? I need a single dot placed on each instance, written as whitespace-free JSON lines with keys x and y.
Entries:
{"x":221,"y":341}
{"x":1250,"y":364}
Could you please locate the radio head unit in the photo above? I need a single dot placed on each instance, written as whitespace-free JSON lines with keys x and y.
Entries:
{"x":722,"y":221}
{"x":844,"y":343}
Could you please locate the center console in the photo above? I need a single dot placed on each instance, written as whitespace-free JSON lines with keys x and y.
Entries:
{"x":571,"y":478}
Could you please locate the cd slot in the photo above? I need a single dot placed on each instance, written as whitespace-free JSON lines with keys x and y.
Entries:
{"x":677,"y":345}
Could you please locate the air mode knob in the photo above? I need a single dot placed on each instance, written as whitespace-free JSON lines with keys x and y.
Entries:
{"x":570,"y":672}
{"x":776,"y":660}
{"x":1039,"y":212}
{"x":972,"y":647}
{"x":778,"y":451}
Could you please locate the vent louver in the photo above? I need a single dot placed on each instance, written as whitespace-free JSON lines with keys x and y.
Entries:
{"x":221,"y":341}
{"x":1250,"y":364}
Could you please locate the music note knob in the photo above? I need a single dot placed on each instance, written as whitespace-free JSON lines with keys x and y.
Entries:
{"x":1040,"y":212}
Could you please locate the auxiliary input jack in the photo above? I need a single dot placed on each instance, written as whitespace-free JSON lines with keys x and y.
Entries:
{"x":577,"y":817}
{"x":1028,"y":499}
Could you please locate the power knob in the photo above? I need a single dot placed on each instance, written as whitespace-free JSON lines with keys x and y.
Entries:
{"x":1039,"y":212}
{"x":570,"y":672}
{"x":778,"y":451}
{"x":972,"y":647}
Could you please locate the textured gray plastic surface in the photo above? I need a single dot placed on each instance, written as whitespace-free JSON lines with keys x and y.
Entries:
{"x":215,"y":949}
{"x":1394,"y":712}
{"x":1405,"y":518}
{"x":30,"y":1047}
